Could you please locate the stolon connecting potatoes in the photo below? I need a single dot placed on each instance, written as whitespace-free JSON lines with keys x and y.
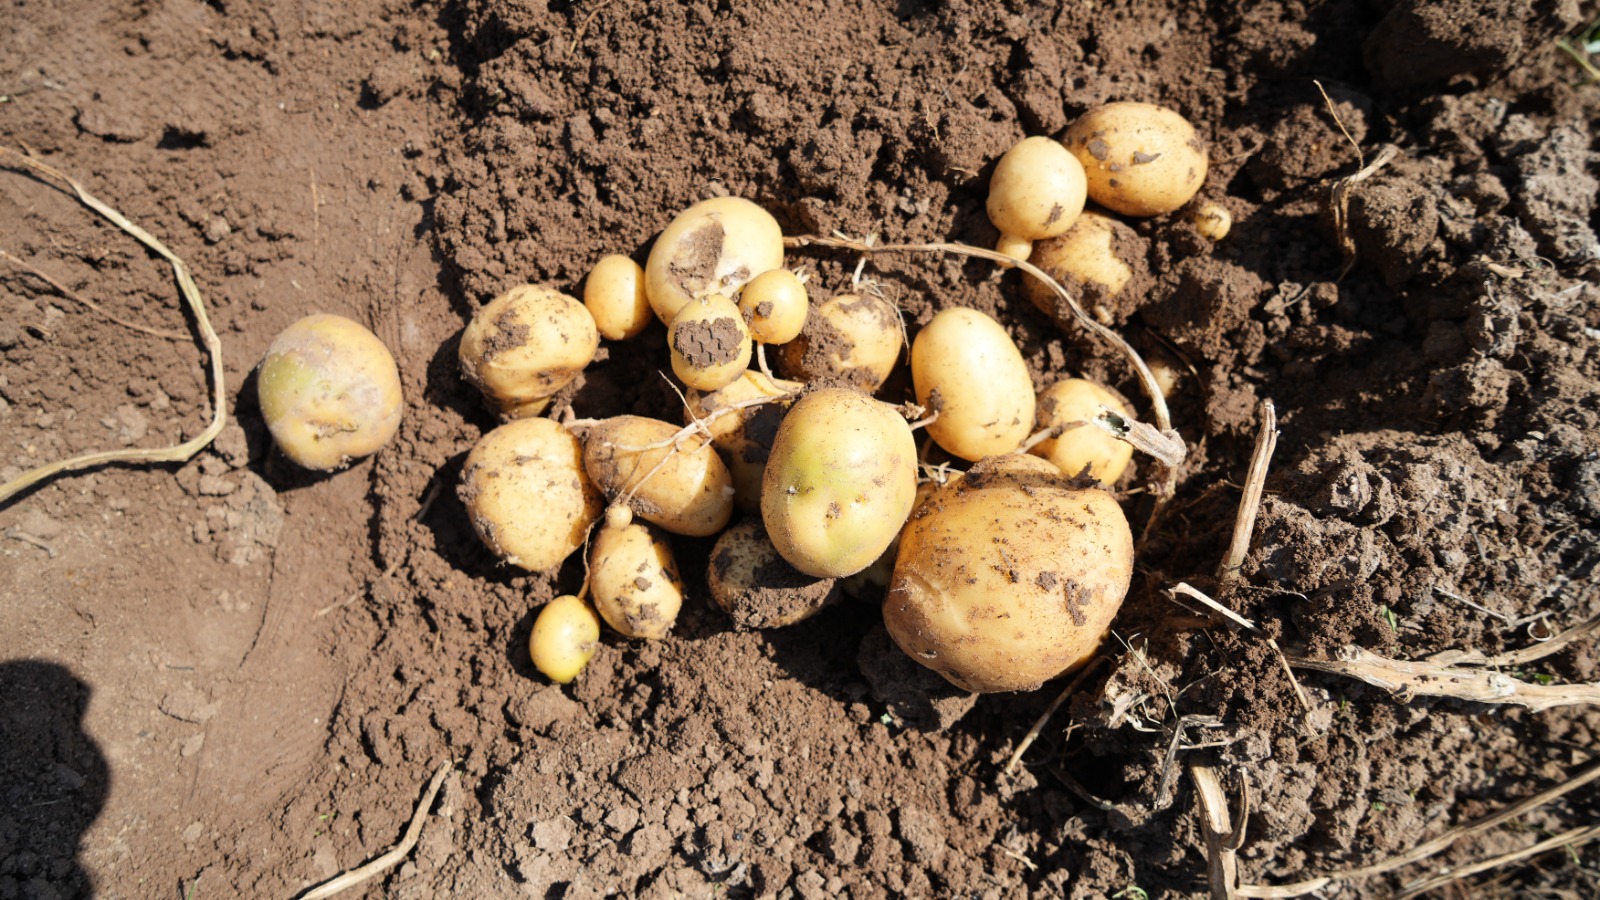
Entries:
{"x":999,"y":577}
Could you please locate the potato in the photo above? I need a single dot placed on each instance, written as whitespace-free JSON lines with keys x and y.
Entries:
{"x":1083,"y":446}
{"x":1014,"y":247}
{"x":1141,"y":159}
{"x":745,"y":436}
{"x":775,"y":305}
{"x":757,"y":587}
{"x":691,"y":493}
{"x":710,"y":343}
{"x":564,"y":638}
{"x":714,"y":247}
{"x":965,"y":367}
{"x":852,"y":338}
{"x":329,"y":391}
{"x":527,"y":494}
{"x":1009,"y":577}
{"x":634,"y":580}
{"x":1212,"y":220}
{"x":1088,"y":260}
{"x":839,"y":483}
{"x":614,"y":295}
{"x":1037,"y":190}
{"x":526,"y":345}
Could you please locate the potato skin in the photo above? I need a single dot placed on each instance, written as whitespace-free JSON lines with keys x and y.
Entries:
{"x":1037,"y":190}
{"x":756,"y":586}
{"x":692,"y":494}
{"x":564,"y":638}
{"x":744,"y":437}
{"x":710,"y":343}
{"x":614,"y":294}
{"x":965,"y":367}
{"x":1084,"y":257}
{"x":852,"y":338}
{"x":1140,"y":159}
{"x":1008,"y":578}
{"x":526,"y":492}
{"x":634,"y":580}
{"x":525,"y":345}
{"x":329,"y":391}
{"x":714,"y":247}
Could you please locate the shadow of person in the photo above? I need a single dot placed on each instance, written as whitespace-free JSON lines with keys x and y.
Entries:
{"x":53,"y":780}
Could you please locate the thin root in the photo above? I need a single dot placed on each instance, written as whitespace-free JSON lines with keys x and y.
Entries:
{"x":1038,"y":726}
{"x":396,"y":853}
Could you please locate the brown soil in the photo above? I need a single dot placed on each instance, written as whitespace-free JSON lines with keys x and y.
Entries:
{"x":232,"y":678}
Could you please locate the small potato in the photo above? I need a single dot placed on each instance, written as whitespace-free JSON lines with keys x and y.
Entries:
{"x":757,"y":587}
{"x":1014,"y":247}
{"x":1141,"y":159}
{"x":775,"y":305}
{"x":1009,"y":577}
{"x":690,"y":494}
{"x":965,"y":368}
{"x":853,"y":338}
{"x":614,"y":294}
{"x":1037,"y":190}
{"x":839,"y":483}
{"x":1212,"y":220}
{"x":709,"y":342}
{"x":634,"y":580}
{"x":329,"y":391}
{"x":744,"y":436}
{"x":564,"y":639}
{"x":1086,"y":258}
{"x":527,"y":495}
{"x":714,"y":247}
{"x":1082,"y":447}
{"x":526,"y":345}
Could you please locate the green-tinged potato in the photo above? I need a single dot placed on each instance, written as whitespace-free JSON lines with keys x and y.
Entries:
{"x":634,"y":580}
{"x":714,"y":247}
{"x":614,"y":294}
{"x":1009,"y":577}
{"x":329,"y":391}
{"x":1082,"y":448}
{"x":839,"y":483}
{"x":691,"y":492}
{"x":852,"y":338}
{"x":1141,"y":159}
{"x":710,"y":343}
{"x":1089,"y":261}
{"x":527,"y":495}
{"x":745,"y":435}
{"x":525,"y":345}
{"x":1037,"y":190}
{"x":775,"y":304}
{"x":966,"y":368}
{"x":564,"y":638}
{"x":756,"y":586}
{"x":1212,"y":220}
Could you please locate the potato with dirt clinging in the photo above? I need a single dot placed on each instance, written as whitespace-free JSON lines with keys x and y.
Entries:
{"x":690,"y":493}
{"x":839,"y":483}
{"x":1072,"y":404}
{"x":853,"y":338}
{"x":756,"y":586}
{"x":744,"y":435}
{"x":710,"y":343}
{"x":614,"y":294}
{"x":1037,"y":190}
{"x":634,"y":580}
{"x":329,"y":391}
{"x":967,"y":370}
{"x":714,"y":247}
{"x":1140,"y":159}
{"x":527,"y":494}
{"x":525,"y":345}
{"x":1085,"y":258}
{"x":1009,"y":577}
{"x":1212,"y":220}
{"x":775,"y":304}
{"x":564,"y":638}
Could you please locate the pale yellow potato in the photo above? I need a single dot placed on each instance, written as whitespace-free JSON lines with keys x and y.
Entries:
{"x":756,"y":586}
{"x":1141,"y":159}
{"x":1037,"y":190}
{"x":329,"y":392}
{"x":745,"y":435}
{"x":691,"y":493}
{"x":527,"y":494}
{"x":775,"y":304}
{"x":1009,"y":577}
{"x":967,"y":369}
{"x":565,"y":636}
{"x":1082,"y":447}
{"x":614,"y":295}
{"x":854,"y":338}
{"x":839,"y":483}
{"x":634,"y":580}
{"x":1212,"y":220}
{"x":525,"y":345}
{"x":714,"y":247}
{"x":710,"y":343}
{"x":1086,"y":255}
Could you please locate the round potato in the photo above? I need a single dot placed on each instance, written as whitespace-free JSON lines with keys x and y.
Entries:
{"x":714,"y":247}
{"x":710,"y":343}
{"x":564,"y":638}
{"x":839,"y":483}
{"x":527,"y":495}
{"x":756,"y":586}
{"x":1082,"y":448}
{"x":1086,"y":258}
{"x":1212,"y":220}
{"x":1141,"y":159}
{"x":614,"y":294}
{"x":525,"y":345}
{"x":329,"y":392}
{"x":685,"y":490}
{"x":744,"y":436}
{"x":965,"y":368}
{"x":1009,"y":577}
{"x":634,"y":580}
{"x":853,"y":338}
{"x":1037,"y":190}
{"x":775,"y":304}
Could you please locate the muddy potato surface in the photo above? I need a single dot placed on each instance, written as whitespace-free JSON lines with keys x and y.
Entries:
{"x":525,"y":345}
{"x":1140,"y":159}
{"x":756,"y":586}
{"x":1085,"y":257}
{"x":714,"y":247}
{"x":710,"y":343}
{"x":690,"y":494}
{"x":527,"y":494}
{"x":634,"y":580}
{"x":967,"y":369}
{"x":329,"y":392}
{"x":851,"y":338}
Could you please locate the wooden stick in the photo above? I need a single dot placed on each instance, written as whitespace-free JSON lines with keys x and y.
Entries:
{"x":1223,"y":839}
{"x":1244,"y":524}
{"x":1569,"y":838}
{"x":396,"y":853}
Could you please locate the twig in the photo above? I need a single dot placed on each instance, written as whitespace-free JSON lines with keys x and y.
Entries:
{"x":1299,"y":692}
{"x":1361,"y":160}
{"x":191,"y":294}
{"x":1339,"y":201}
{"x":1519,"y":657}
{"x":1038,"y":726}
{"x":70,"y":294}
{"x":1570,"y":838}
{"x":1244,"y":524}
{"x":1188,"y":590}
{"x":1165,"y":446}
{"x":1408,"y":679}
{"x":396,"y":853}
{"x":1473,"y":604}
{"x":1168,"y":767}
{"x":1223,"y":839}
{"x":587,"y":21}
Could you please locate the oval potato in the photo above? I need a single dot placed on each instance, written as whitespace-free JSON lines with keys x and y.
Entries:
{"x":1085,"y":257}
{"x":853,"y":338}
{"x":775,"y":305}
{"x":1082,"y":447}
{"x":634,"y":580}
{"x":329,"y":392}
{"x":967,"y":369}
{"x":564,"y":638}
{"x":614,"y":294}
{"x":756,"y":586}
{"x":690,"y":494}
{"x":710,"y":343}
{"x":744,"y":436}
{"x":714,"y":247}
{"x":525,"y":345}
{"x":1140,"y":159}
{"x":1037,"y":190}
{"x":527,"y":495}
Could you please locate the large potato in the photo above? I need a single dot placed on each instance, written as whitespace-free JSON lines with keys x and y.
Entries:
{"x":744,"y":436}
{"x":634,"y":580}
{"x":852,"y":338}
{"x":1071,"y":404}
{"x":329,"y":392}
{"x":966,"y":368}
{"x":690,"y":493}
{"x":1140,"y":159}
{"x":1037,"y":190}
{"x":839,"y":483}
{"x":527,"y":495}
{"x":756,"y":586}
{"x":714,"y":247}
{"x":525,"y":345}
{"x":1008,"y":577}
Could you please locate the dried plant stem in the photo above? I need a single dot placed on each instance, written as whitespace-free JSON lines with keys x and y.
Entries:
{"x":1223,"y":838}
{"x":74,"y":296}
{"x":1195,"y":593}
{"x":1570,"y":838}
{"x":1244,"y":524}
{"x":1408,"y":679}
{"x":1518,"y":657}
{"x":396,"y":853}
{"x":1339,"y":202}
{"x":1038,"y":726}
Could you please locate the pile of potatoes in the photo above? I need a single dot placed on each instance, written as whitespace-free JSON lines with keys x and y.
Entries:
{"x":999,"y":577}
